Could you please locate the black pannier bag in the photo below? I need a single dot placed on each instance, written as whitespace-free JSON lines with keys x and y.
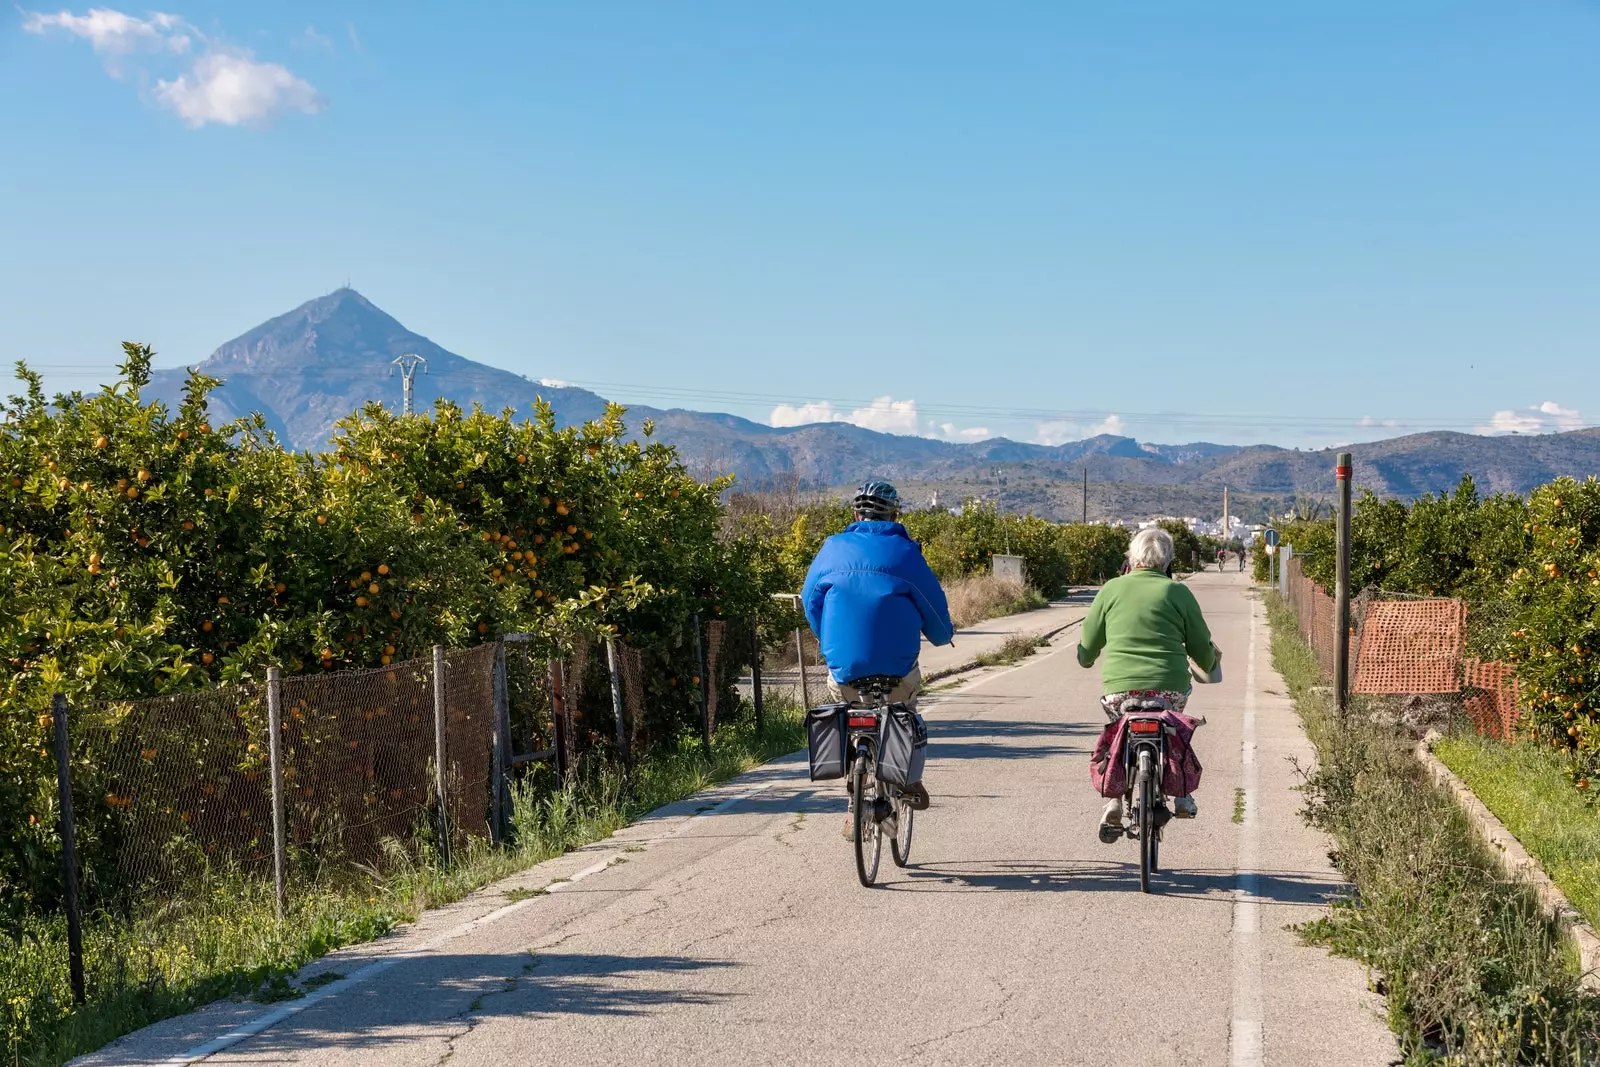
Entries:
{"x":902,"y":746}
{"x":825,"y":740}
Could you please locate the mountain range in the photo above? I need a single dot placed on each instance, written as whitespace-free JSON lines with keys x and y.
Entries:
{"x":308,"y":368}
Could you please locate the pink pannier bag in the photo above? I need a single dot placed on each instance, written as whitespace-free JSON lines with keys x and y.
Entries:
{"x":1179,"y":778}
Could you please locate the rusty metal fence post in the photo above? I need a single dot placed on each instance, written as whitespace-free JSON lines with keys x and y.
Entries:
{"x":69,"y":847}
{"x":800,"y":664}
{"x":439,"y":713}
{"x":1341,"y":589}
{"x":280,"y":844}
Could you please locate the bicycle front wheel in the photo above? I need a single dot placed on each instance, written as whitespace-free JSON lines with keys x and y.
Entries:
{"x":900,"y":846}
{"x":869,"y":842}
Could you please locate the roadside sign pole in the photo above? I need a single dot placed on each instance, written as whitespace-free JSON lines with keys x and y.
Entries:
{"x":1341,"y":590}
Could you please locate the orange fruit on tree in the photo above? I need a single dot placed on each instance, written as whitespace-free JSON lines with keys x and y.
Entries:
{"x":361,"y":601}
{"x":483,"y":627}
{"x":366,"y":576}
{"x":207,"y":625}
{"x":133,"y":492}
{"x":143,"y":475}
{"x":383,"y":568}
{"x":322,"y":520}
{"x":101,"y":442}
{"x":206,"y":658}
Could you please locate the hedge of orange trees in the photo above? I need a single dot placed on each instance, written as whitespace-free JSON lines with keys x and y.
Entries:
{"x":1529,"y":567}
{"x":958,"y":545}
{"x":148,"y":551}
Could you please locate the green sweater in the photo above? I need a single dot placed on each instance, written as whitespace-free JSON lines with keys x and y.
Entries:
{"x":1149,"y":627}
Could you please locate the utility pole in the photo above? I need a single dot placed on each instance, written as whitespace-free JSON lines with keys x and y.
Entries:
{"x":408,"y":365}
{"x":999,"y":505}
{"x":1225,"y":516}
{"x":1086,"y":493}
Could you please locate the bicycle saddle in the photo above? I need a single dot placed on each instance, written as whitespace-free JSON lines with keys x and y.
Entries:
{"x":876,"y":686}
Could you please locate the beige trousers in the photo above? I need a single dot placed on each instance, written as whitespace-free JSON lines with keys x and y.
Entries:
{"x":904,"y":693}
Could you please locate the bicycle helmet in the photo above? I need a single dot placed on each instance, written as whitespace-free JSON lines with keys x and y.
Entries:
{"x":877,"y":501}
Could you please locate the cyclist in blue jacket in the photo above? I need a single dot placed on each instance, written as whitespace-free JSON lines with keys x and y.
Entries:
{"x":870,"y":597}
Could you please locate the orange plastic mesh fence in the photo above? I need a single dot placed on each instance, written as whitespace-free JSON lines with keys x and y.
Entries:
{"x":1411,"y":646}
{"x":1492,"y":704}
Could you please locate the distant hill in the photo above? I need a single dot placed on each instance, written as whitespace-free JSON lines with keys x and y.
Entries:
{"x":308,"y":368}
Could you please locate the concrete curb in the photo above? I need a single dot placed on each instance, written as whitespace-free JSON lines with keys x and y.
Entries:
{"x":972,"y":665}
{"x":1520,"y":866}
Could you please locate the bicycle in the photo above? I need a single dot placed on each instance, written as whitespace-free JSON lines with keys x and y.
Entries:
{"x":889,"y":812}
{"x":1144,"y":756}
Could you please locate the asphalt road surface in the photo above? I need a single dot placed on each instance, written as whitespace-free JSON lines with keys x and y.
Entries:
{"x":731,"y":929}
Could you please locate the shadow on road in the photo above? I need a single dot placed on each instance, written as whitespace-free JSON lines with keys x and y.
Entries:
{"x":443,"y":995}
{"x":1290,"y":888}
{"x":1001,"y":739}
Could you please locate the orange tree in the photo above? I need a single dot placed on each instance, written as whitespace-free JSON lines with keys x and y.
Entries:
{"x":146,"y":551}
{"x":1554,"y":638}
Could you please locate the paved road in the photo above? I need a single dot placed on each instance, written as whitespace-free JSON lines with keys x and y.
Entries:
{"x":737,"y":934}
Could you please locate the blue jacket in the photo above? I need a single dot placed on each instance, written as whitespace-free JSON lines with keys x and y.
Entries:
{"x":869,"y":597}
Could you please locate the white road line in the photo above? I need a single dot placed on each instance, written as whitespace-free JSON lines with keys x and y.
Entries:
{"x":1244,"y":1035}
{"x":288,"y":1011}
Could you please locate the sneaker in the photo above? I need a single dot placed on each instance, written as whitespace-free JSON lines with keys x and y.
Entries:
{"x":1111,"y":822}
{"x":1184,"y":807}
{"x":849,"y":825}
{"x":917,"y":796}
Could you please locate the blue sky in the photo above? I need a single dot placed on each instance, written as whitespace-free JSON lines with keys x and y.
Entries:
{"x":1299,"y":223}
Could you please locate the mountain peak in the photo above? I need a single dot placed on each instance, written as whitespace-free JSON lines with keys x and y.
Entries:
{"x":339,"y":328}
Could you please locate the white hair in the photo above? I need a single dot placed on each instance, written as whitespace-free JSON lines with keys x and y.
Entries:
{"x":1150,"y":548}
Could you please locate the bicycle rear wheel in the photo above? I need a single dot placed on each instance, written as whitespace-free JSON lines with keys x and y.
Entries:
{"x":1147,"y":822}
{"x":900,"y":844}
{"x":869,"y":842}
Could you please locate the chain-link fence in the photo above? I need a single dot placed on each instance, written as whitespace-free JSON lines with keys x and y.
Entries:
{"x":1436,"y":653}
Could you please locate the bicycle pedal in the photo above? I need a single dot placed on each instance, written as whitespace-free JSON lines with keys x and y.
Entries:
{"x":1110,"y":835}
{"x":881,"y":809}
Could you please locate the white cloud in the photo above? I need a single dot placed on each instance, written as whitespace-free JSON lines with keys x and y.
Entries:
{"x":949,"y":431}
{"x":310,"y":38}
{"x":1061,"y":431}
{"x":223,"y":85}
{"x":1369,"y":423}
{"x":112,"y":33}
{"x":231,"y":88}
{"x":555,"y":383}
{"x":885,"y":414}
{"x":1548,"y":417}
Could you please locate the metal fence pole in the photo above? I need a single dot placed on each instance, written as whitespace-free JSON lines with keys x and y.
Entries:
{"x":700,"y":667}
{"x":616,"y":700}
{"x":755,"y":673}
{"x":558,"y":720}
{"x":69,"y":847}
{"x":1341,"y":590}
{"x":280,"y":843}
{"x":502,"y":751}
{"x":800,"y":663}
{"x":438,"y":752}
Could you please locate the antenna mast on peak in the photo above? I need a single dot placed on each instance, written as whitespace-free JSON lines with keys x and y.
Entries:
{"x":408,"y":365}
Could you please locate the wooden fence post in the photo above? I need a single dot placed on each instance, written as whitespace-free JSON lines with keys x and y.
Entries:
{"x":501,"y":747}
{"x":1341,"y":590}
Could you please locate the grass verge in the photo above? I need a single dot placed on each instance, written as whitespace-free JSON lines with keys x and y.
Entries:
{"x":1472,"y":970}
{"x":986,"y":597}
{"x":223,"y":939}
{"x":1016,"y":648}
{"x":1528,"y":790}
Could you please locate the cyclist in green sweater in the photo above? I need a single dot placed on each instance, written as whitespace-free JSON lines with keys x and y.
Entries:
{"x":1149,"y":627}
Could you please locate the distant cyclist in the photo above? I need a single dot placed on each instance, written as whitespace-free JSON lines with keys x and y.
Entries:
{"x":1222,"y":556}
{"x":1241,"y":558}
{"x":870,"y":597}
